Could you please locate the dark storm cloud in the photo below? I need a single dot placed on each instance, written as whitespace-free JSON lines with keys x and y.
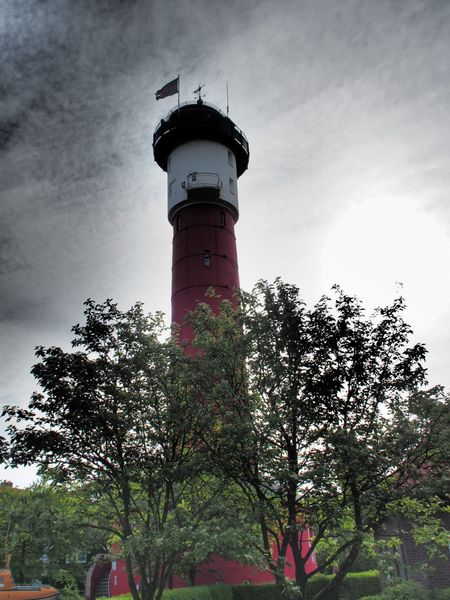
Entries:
{"x":10,"y":255}
{"x":76,"y":102}
{"x":74,"y":71}
{"x":7,"y":129}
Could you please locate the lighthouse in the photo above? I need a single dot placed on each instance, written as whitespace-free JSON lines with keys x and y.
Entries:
{"x":203,"y":153}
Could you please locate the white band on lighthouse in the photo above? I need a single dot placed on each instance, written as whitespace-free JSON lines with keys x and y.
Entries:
{"x":198,"y":165}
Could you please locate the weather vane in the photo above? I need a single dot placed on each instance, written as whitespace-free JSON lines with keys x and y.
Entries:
{"x":199,"y":92}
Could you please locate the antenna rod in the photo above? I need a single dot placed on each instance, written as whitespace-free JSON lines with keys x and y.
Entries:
{"x":228,"y":101}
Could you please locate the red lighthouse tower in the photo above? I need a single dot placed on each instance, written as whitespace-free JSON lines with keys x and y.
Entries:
{"x":203,"y":153}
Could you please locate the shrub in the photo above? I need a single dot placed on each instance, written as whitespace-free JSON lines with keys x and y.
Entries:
{"x":200,"y":592}
{"x":401,"y":591}
{"x":263,"y":591}
{"x":355,"y":585}
{"x":220,"y":592}
{"x":66,"y":584}
{"x":441,"y":594}
{"x":361,"y":584}
{"x":69,"y":594}
{"x":318,"y":582}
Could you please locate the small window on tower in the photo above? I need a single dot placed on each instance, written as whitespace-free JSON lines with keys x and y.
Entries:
{"x":207,"y":258}
{"x":230,"y":158}
{"x":231,"y":183}
{"x":222,"y":218}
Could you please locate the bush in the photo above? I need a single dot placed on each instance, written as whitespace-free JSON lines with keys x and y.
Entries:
{"x":263,"y":591}
{"x":220,"y":592}
{"x":69,"y":594}
{"x":361,"y":584}
{"x":66,"y":584}
{"x":318,"y":582}
{"x":200,"y":592}
{"x":355,"y":585}
{"x":402,"y":591}
{"x":440,"y":594}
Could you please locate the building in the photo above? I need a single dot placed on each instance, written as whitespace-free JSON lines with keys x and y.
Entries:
{"x":412,"y":561}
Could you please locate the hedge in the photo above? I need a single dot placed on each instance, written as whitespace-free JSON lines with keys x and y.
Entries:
{"x":355,"y":585}
{"x":200,"y":592}
{"x":360,"y":584}
{"x":410,"y":591}
{"x":263,"y":591}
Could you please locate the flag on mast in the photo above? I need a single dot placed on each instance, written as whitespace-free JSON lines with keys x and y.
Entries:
{"x":171,"y":88}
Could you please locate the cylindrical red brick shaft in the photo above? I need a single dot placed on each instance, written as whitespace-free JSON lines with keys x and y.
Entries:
{"x":204,"y":256}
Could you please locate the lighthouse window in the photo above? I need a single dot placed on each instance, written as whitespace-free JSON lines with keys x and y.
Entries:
{"x":230,"y":158}
{"x":207,"y":259}
{"x":231,"y":183}
{"x":222,"y":218}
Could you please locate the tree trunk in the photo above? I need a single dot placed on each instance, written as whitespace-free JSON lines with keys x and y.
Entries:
{"x":280,"y":578}
{"x":192,"y":572}
{"x":336,"y":583}
{"x":130,"y":577}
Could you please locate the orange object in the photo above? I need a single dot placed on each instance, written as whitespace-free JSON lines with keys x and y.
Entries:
{"x":33,"y":591}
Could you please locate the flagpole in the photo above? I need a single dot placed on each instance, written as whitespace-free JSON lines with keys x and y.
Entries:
{"x":228,"y":103}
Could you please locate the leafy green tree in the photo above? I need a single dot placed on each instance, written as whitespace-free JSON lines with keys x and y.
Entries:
{"x":40,"y":534}
{"x":312,"y":414}
{"x":118,"y":416}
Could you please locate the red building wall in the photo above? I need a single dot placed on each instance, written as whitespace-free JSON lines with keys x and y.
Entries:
{"x":216,"y":570}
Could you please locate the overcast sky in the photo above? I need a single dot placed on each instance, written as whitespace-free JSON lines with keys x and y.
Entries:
{"x":346,"y":106}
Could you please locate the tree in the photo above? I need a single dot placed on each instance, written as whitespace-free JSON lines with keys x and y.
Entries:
{"x":118,"y":416}
{"x":312,"y":417}
{"x":40,"y":533}
{"x":419,"y":521}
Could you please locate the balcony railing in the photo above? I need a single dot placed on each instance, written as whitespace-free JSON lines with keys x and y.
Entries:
{"x":166,"y":125}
